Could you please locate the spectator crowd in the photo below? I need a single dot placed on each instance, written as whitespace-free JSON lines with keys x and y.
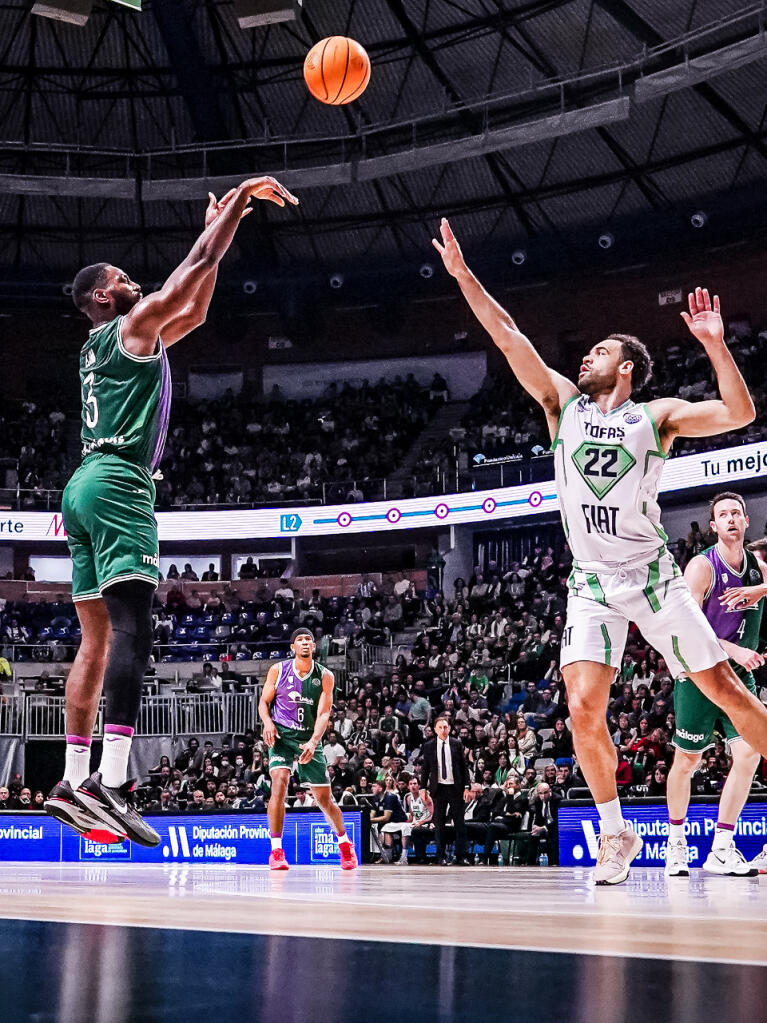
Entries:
{"x":486,"y":658}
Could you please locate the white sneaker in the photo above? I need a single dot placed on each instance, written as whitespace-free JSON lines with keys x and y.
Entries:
{"x":760,"y":861}
{"x":730,"y":862}
{"x":676,"y":859}
{"x":615,"y":855}
{"x":403,"y":860}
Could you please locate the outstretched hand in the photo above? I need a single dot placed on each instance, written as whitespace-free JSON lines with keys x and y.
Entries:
{"x":450,"y":250}
{"x":271,"y":190}
{"x":704,"y":320}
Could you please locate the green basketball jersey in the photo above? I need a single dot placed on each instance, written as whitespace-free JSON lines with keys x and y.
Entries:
{"x":126,"y":397}
{"x":296,"y":699}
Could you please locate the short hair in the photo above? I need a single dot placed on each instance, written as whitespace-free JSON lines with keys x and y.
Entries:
{"x":634,"y":351}
{"x":302,"y":632}
{"x":86,"y":282}
{"x":726,"y":495}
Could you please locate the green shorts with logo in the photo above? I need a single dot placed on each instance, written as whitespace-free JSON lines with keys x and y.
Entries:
{"x":108,"y":512}
{"x":287,"y":750}
{"x":697,"y":718}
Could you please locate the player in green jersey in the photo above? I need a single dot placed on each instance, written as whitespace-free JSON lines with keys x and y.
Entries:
{"x":295,"y":707}
{"x":730,"y":584}
{"x":108,"y":506}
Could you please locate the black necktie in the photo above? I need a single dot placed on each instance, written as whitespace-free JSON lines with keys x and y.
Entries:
{"x":444,"y":763}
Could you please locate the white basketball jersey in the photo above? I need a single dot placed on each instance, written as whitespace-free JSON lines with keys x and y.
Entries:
{"x":608,"y":468}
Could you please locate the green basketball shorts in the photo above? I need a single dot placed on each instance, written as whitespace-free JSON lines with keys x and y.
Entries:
{"x":697,"y":718}
{"x":108,"y":512}
{"x":287,"y":750}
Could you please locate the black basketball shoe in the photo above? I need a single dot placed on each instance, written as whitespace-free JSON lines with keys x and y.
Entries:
{"x":63,"y":805}
{"x":115,"y":809}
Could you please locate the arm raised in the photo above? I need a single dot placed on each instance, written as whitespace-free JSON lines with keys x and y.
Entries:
{"x":178,"y":297}
{"x":733,"y":410}
{"x":550,"y":389}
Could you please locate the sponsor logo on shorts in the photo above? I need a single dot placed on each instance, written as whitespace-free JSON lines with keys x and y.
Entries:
{"x":690,"y":736}
{"x":151,"y":559}
{"x":277,"y":760}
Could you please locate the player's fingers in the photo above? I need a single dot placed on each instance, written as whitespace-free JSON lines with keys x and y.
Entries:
{"x":716,"y":304}
{"x":706,"y":300}
{"x":225,"y":198}
{"x":440,"y":248}
{"x":276,"y":199}
{"x":687,"y":318}
{"x":691,"y":303}
{"x":246,"y":211}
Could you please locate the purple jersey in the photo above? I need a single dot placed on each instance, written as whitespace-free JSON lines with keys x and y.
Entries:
{"x":741,"y":627}
{"x":296,"y":699}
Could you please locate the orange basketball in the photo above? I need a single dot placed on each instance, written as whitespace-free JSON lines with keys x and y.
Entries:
{"x":337,"y":70}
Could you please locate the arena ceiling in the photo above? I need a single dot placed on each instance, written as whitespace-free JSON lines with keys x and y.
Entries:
{"x":535,"y":125}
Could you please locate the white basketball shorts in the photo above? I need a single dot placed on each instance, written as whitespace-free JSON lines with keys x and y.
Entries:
{"x":656,"y":598}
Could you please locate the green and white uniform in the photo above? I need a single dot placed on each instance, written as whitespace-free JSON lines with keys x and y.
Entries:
{"x":294,"y":712}
{"x":608,"y":468}
{"x":108,"y":504}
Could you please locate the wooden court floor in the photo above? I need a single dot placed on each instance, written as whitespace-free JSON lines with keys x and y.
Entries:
{"x":402,"y":943}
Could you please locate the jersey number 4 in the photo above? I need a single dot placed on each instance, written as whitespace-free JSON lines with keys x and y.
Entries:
{"x":90,"y":403}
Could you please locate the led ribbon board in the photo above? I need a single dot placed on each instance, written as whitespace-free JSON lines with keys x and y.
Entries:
{"x":706,"y":468}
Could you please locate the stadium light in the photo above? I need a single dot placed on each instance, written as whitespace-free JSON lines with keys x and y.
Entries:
{"x":337,"y":281}
{"x":518,"y":257}
{"x":699,"y":219}
{"x":606,"y":240}
{"x":255,"y":13}
{"x":75,"y":12}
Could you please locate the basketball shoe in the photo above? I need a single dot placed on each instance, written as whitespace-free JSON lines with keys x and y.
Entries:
{"x":277,"y":860}
{"x":676,"y":859}
{"x":615,"y":855}
{"x":62,"y":804}
{"x":115,"y":809}
{"x":760,"y":861}
{"x":729,"y":861}
{"x":348,"y":856}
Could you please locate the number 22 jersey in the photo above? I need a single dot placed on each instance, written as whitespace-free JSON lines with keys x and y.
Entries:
{"x":608,"y":468}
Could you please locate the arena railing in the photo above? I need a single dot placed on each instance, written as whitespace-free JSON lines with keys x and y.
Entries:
{"x":179,"y":716}
{"x":49,"y":653}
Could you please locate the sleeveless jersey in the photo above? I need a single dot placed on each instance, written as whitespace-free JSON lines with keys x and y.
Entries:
{"x":607,"y":468}
{"x":418,"y":808}
{"x":741,"y":627}
{"x":296,"y":699}
{"x":126,"y":398}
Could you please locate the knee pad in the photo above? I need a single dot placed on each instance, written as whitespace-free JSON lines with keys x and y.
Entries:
{"x":130,"y":612}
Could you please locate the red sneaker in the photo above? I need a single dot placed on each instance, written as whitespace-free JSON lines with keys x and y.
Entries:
{"x":348,"y":856}
{"x":277,"y":860}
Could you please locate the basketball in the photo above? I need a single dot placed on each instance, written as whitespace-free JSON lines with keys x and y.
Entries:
{"x":337,"y":70}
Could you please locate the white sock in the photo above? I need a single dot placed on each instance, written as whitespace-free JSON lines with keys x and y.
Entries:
{"x":344,"y":838}
{"x":77,"y":765}
{"x":276,"y":841}
{"x":676,"y":833}
{"x":611,"y":817}
{"x":723,"y":838}
{"x":114,"y":758}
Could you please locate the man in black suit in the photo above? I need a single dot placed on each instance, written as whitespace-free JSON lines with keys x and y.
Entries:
{"x":446,"y":779}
